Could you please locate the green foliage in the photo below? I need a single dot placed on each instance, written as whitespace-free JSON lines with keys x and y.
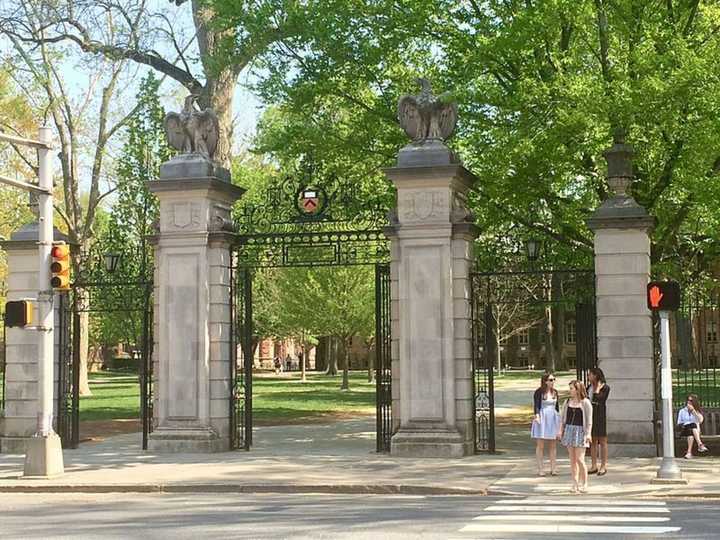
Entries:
{"x":541,"y":86}
{"x":129,"y":222}
{"x":326,"y":301}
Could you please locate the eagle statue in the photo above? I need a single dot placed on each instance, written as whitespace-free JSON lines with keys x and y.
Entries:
{"x":192,"y":130}
{"x":427,"y":117}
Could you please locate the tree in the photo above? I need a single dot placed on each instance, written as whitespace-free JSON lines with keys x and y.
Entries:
{"x":329,"y":301}
{"x":552,"y":80}
{"x":77,"y":124}
{"x":195,"y":47}
{"x":130,"y":220}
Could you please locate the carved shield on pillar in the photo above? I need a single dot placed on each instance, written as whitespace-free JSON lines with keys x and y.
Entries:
{"x":423,"y":203}
{"x":182,"y":215}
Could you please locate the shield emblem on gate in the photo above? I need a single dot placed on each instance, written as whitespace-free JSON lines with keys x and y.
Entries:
{"x":311,"y":202}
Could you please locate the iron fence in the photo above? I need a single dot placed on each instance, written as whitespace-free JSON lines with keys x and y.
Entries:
{"x":695,"y":347}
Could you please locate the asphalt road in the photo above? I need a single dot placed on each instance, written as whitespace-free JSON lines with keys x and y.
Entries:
{"x":195,"y":516}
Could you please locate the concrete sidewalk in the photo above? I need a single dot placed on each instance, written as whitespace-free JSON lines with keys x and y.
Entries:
{"x":338,"y":458}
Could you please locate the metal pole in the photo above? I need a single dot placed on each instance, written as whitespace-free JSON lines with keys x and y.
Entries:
{"x":45,"y":293}
{"x":669,"y":469}
{"x":44,"y":457}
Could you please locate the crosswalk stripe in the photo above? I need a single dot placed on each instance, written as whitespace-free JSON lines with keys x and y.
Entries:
{"x":576,"y":509}
{"x":559,"y":528}
{"x":583,"y":519}
{"x":575,"y":501}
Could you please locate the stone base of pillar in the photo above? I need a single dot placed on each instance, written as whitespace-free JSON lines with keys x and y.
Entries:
{"x":631,"y":450}
{"x":13,"y":445}
{"x":43,"y":457}
{"x":186,"y":440}
{"x":429,"y":442}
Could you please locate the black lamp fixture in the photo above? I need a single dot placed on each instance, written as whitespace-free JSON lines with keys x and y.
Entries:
{"x":112,"y":261}
{"x":532,"y":249}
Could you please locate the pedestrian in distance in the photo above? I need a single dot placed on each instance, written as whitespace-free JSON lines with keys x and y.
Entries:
{"x":288,"y":362}
{"x":546,"y":423}
{"x":598,"y":392}
{"x":575,"y":433}
{"x":277,"y":364}
{"x":689,"y":420}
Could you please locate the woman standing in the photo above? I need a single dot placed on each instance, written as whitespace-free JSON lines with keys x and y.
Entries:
{"x":546,"y":424}
{"x":575,"y":433}
{"x":598,"y":392}
{"x":689,"y":419}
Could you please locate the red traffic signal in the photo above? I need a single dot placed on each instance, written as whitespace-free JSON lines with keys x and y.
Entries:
{"x":60,"y":267}
{"x":663,"y":295}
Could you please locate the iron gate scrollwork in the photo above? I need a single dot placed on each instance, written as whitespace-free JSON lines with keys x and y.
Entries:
{"x":517,"y":318}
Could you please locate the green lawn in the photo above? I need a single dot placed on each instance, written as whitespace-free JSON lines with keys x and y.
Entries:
{"x":276,"y":400}
{"x":116,"y":395}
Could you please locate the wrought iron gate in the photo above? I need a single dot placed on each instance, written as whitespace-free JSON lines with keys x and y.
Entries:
{"x":240,"y":368}
{"x":510,"y":311}
{"x":307,"y":221}
{"x":383,"y":360}
{"x":133,"y":302}
{"x":68,"y":397}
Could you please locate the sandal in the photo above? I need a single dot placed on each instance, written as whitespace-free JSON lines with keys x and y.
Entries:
{"x":593,"y":471}
{"x":703,"y":449}
{"x":688,"y":456}
{"x":553,"y":473}
{"x":541,"y":474}
{"x":583,"y":489}
{"x":602,"y":472}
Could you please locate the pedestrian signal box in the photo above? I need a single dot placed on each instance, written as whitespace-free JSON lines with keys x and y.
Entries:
{"x":663,"y":295}
{"x":18,"y":313}
{"x":60,"y":267}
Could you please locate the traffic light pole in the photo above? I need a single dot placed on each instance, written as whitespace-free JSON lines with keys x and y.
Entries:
{"x":43,"y":457}
{"x":669,"y":470}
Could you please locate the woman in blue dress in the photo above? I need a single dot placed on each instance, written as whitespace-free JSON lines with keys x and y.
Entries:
{"x":546,"y":424}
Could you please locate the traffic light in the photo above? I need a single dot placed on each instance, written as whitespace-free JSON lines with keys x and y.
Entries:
{"x":60,"y":267}
{"x":18,"y":313}
{"x":663,"y":295}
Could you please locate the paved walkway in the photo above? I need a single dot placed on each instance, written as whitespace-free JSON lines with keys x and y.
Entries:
{"x":338,"y":457}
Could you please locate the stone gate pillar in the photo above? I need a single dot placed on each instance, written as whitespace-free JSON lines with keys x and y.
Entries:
{"x":19,"y":422}
{"x":192,"y":306}
{"x":624,"y":324}
{"x":431,"y":235}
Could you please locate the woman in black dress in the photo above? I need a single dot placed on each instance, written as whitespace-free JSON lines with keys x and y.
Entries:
{"x":598,"y":392}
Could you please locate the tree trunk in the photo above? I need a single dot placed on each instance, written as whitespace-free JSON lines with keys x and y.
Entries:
{"x":346,"y":366}
{"x":220,"y":84}
{"x":498,"y":353}
{"x":321,"y":354}
{"x":549,"y":340}
{"x":81,"y":300}
{"x":332,"y":368}
{"x":302,"y":362}
{"x":371,"y":361}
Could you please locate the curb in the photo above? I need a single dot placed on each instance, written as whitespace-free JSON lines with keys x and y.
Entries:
{"x":342,"y":489}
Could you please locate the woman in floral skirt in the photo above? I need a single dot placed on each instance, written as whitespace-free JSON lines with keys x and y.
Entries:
{"x":575,"y":433}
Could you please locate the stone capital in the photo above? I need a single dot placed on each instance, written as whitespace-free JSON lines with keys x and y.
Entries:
{"x":456,"y":177}
{"x":621,"y":212}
